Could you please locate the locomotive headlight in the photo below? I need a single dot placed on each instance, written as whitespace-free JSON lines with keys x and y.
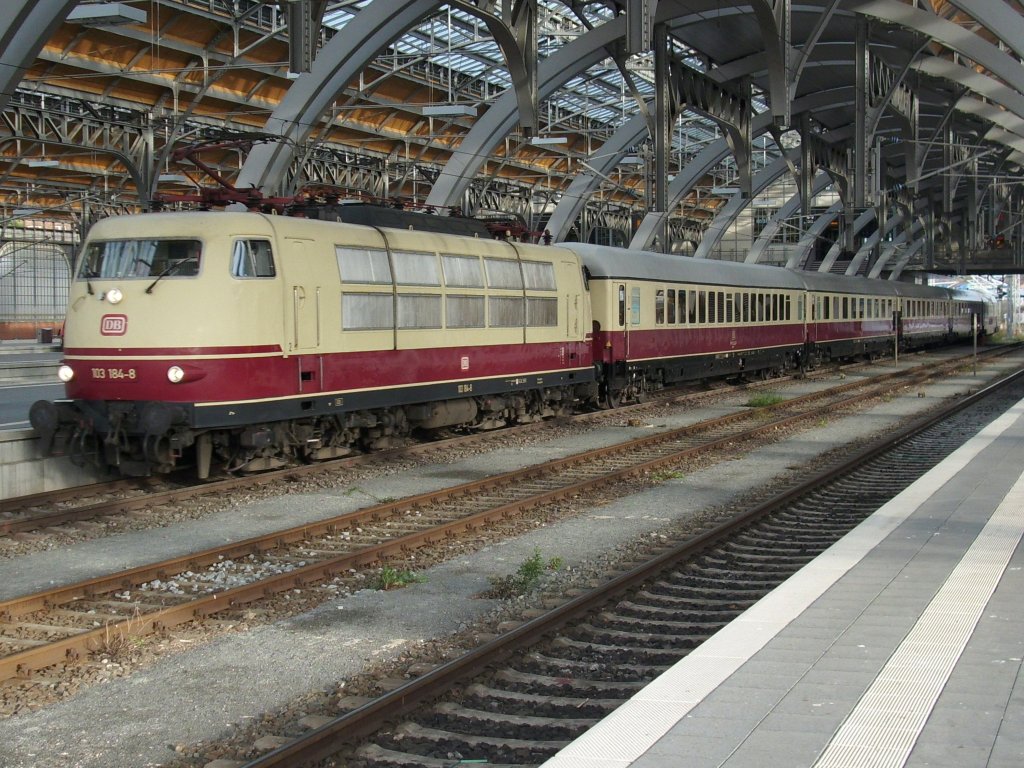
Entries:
{"x":175,"y":374}
{"x":65,"y":373}
{"x":114,"y":295}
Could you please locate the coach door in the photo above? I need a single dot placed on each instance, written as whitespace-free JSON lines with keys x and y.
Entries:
{"x":621,"y":323}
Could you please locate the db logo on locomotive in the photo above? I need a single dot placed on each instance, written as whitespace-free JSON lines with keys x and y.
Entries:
{"x":113,"y":325}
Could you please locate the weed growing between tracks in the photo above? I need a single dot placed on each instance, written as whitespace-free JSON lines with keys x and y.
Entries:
{"x":525,"y":579}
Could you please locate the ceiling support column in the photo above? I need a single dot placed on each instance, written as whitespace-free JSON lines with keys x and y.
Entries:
{"x":662,"y":131}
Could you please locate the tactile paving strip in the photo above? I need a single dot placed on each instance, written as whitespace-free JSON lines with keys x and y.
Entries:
{"x":883,"y":727}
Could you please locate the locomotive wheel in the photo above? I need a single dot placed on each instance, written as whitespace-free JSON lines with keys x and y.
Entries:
{"x":610,"y":397}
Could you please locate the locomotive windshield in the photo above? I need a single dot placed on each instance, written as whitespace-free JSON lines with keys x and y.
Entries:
{"x":127,"y":259}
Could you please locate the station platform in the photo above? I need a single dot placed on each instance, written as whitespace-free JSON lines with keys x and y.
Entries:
{"x":901,"y":645}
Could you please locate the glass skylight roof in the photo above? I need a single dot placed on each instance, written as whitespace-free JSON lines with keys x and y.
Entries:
{"x":456,"y":40}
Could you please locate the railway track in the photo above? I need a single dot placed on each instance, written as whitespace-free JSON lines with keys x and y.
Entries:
{"x":65,"y":624}
{"x":523,"y":696}
{"x":76,"y":506}
{"x":39,"y":511}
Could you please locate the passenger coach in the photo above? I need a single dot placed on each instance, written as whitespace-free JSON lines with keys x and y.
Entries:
{"x":661,"y":319}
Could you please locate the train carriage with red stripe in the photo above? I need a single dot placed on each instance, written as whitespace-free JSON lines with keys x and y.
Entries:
{"x":661,"y":319}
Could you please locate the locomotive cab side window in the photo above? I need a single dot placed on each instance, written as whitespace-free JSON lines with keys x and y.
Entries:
{"x":252,"y":258}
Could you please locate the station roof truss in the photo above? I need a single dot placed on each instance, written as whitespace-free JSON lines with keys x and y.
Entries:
{"x":892,"y":129}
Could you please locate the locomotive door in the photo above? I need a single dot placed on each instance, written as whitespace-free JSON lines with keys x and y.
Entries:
{"x":304,"y":298}
{"x":302,"y":281}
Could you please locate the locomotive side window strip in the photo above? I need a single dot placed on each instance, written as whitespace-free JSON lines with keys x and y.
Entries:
{"x":363,"y":265}
{"x":539,"y":276}
{"x":415,"y":268}
{"x":462,"y":271}
{"x":504,"y":273}
{"x":506,"y":311}
{"x":541,"y":312}
{"x":419,"y":310}
{"x":251,"y":259}
{"x":464,"y":312}
{"x":367,"y":311}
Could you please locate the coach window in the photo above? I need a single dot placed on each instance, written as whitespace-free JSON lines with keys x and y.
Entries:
{"x":635,"y":306}
{"x":691,"y":307}
{"x":659,"y":306}
{"x":789,"y":306}
{"x":671,"y":306}
{"x":702,"y":316}
{"x":252,"y":258}
{"x":363,"y":265}
{"x":622,"y":305}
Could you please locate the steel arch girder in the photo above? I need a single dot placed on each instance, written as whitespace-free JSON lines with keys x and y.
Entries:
{"x":1000,"y":18}
{"x":760,"y":245}
{"x":575,"y":197}
{"x":806,"y":242}
{"x":713,"y":154}
{"x":311,"y":94}
{"x":946,"y":32}
{"x":732,"y":209}
{"x":26,"y":26}
{"x":498,"y":121}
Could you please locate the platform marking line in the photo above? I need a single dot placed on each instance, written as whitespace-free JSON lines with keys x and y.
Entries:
{"x":629,"y":731}
{"x":883,"y":727}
